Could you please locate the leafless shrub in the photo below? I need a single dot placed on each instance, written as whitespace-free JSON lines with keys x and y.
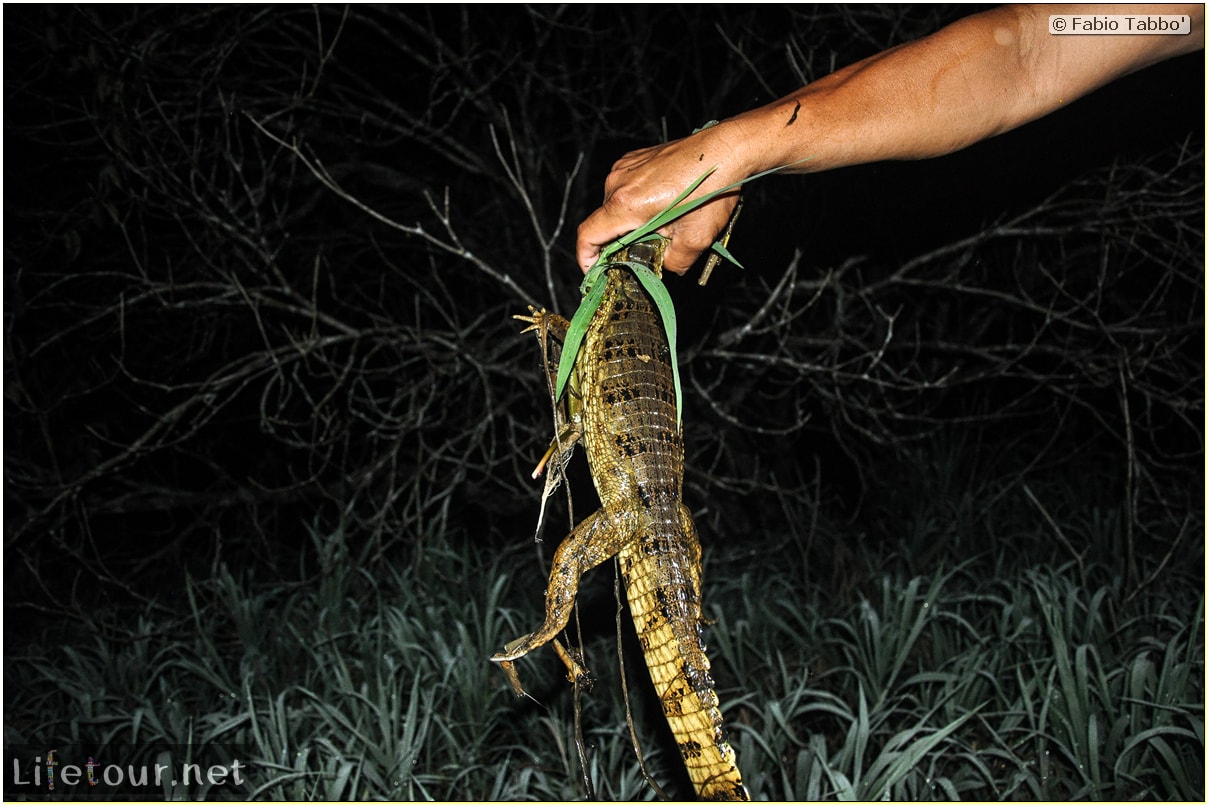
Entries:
{"x":1079,"y":319}
{"x":258,"y":280}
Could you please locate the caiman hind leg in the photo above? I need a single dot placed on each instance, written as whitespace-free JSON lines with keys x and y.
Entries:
{"x":594,"y":540}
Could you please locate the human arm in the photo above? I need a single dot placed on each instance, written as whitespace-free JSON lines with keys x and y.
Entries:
{"x":979,"y":77}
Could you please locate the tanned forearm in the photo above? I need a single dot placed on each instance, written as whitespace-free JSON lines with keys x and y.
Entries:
{"x":981,"y":76}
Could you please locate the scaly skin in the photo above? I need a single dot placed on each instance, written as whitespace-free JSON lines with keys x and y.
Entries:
{"x":636,"y":454}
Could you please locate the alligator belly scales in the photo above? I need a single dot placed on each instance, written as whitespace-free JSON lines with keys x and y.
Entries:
{"x":626,"y":411}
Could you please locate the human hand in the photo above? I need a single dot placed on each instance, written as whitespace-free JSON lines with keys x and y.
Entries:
{"x":644,"y":182}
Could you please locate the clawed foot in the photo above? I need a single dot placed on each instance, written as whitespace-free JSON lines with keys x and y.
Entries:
{"x":576,"y":673}
{"x":536,"y":318}
{"x":505,"y":660}
{"x":514,"y":649}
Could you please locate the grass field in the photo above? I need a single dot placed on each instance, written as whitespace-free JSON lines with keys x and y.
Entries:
{"x":1001,"y":676}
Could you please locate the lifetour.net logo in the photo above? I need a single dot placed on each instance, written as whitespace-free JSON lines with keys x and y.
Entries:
{"x":72,"y":772}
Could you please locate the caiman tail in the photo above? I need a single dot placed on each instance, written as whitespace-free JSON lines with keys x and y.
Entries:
{"x":668,"y":621}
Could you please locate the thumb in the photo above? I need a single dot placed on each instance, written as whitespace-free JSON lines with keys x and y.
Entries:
{"x":586,"y":254}
{"x":596,"y":232}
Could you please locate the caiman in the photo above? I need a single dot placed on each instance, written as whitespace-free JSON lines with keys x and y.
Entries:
{"x":625,"y":414}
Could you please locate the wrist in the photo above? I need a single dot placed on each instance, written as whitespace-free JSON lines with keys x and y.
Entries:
{"x":782,"y":134}
{"x":726,"y":146}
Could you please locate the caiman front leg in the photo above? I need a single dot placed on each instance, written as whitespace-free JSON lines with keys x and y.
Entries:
{"x":551,"y":331}
{"x":594,"y":540}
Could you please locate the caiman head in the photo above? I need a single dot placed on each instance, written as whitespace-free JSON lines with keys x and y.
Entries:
{"x":648,"y":253}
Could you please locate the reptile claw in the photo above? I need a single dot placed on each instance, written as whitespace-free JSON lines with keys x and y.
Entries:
{"x":514,"y":678}
{"x":535,"y":318}
{"x":512,"y":650}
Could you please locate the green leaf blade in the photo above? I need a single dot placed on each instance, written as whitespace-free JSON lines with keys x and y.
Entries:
{"x":575,"y":335}
{"x":724,"y":253}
